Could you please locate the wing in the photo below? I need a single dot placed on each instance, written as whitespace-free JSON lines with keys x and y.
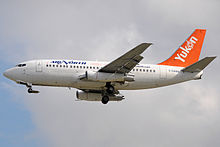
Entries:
{"x":126,"y":62}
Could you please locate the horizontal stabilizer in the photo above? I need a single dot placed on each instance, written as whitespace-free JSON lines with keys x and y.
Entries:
{"x":199,"y":66}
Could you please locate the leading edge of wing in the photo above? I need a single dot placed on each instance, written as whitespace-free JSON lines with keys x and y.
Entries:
{"x":139,"y":49}
{"x":126,"y":62}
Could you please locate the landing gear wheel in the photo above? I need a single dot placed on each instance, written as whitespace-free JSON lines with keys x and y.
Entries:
{"x":105,"y":99}
{"x":110,"y":89}
{"x":30,"y":90}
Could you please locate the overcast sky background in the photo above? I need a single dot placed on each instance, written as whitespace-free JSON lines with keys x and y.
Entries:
{"x":186,"y":114}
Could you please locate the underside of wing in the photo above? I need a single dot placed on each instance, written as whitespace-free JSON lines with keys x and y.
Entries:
{"x":126,"y":62}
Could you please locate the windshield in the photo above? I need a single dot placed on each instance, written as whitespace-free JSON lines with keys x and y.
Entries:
{"x":21,"y":65}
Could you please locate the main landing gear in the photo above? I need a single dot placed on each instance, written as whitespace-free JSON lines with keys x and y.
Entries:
{"x":109,"y":91}
{"x":105,"y":99}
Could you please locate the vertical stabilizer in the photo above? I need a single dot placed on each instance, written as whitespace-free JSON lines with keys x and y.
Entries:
{"x":189,"y":52}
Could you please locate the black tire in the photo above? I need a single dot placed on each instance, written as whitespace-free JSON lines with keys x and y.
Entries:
{"x":110,"y":89}
{"x":105,"y":99}
{"x":29,"y":90}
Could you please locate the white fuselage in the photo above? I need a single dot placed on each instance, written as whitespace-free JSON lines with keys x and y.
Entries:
{"x":66,"y":73}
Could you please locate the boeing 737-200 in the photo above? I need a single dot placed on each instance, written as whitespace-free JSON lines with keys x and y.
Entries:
{"x":101,"y":81}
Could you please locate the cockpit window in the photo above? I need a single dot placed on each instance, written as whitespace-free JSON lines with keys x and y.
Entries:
{"x":21,"y":65}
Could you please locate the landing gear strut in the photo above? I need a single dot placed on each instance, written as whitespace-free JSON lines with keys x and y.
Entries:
{"x":30,"y":90}
{"x":110,"y":89}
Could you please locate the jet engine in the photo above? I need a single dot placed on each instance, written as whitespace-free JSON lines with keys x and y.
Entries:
{"x":95,"y":96}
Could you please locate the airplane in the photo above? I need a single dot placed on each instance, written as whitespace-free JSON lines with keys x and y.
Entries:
{"x":101,"y":81}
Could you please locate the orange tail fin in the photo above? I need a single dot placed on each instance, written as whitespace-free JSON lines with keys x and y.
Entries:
{"x":189,"y":52}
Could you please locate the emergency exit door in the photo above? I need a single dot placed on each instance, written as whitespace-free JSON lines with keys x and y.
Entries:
{"x":39,"y":66}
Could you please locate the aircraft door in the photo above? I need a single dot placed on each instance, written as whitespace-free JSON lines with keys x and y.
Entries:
{"x":163,"y":72}
{"x":39,"y":66}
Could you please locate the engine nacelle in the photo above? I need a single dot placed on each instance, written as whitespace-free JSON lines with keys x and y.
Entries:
{"x":106,"y":77}
{"x":90,"y":96}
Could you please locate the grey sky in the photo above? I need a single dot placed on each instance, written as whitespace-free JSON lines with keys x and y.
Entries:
{"x":181,"y":115}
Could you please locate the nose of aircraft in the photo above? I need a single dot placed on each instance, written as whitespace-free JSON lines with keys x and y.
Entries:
{"x":8,"y":73}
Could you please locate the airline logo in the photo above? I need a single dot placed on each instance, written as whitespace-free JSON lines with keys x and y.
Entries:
{"x":189,"y":52}
{"x":186,"y":50}
{"x":68,"y":62}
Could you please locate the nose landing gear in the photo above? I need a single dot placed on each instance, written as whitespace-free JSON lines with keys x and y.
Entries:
{"x":29,"y":86}
{"x":30,"y":90}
